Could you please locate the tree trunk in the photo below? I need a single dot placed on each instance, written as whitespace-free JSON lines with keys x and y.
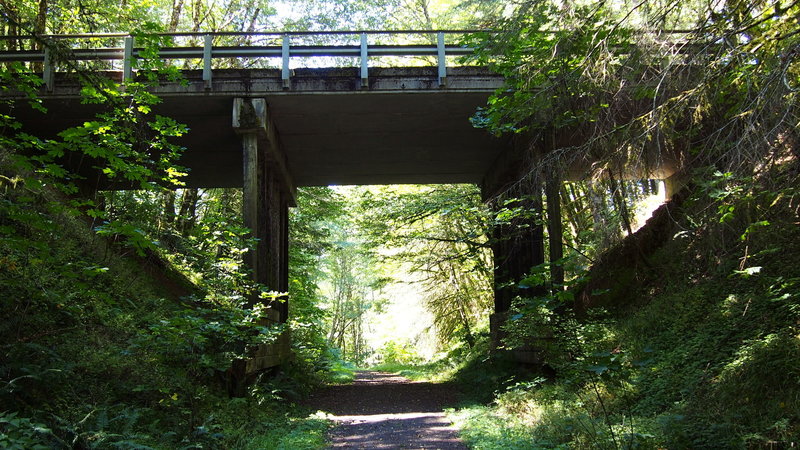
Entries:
{"x":13,"y":25}
{"x":555,"y":232}
{"x":186,"y":216}
{"x":197,"y":15}
{"x":597,"y":205}
{"x":40,"y":27}
{"x":572,"y":209}
{"x":253,"y":20}
{"x":426,"y":14}
{"x":602,"y":226}
{"x":177,"y":8}
{"x":619,"y":197}
{"x":462,"y":307}
{"x":169,"y":207}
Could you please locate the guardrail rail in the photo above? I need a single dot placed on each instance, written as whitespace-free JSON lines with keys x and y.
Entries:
{"x":128,"y":53}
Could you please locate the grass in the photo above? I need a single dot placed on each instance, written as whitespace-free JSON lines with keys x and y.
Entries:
{"x":444,"y":367}
{"x":483,"y":429}
{"x":296,"y":433}
{"x":340,"y":372}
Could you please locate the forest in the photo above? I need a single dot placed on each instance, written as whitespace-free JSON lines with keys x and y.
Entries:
{"x":660,"y":166}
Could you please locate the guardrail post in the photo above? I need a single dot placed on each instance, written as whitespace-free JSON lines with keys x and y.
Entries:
{"x":127,"y":59}
{"x":207,"y":47}
{"x":48,"y":74}
{"x":440,"y":50}
{"x":285,"y":57}
{"x":364,"y":62}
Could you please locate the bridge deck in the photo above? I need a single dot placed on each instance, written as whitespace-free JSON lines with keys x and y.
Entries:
{"x":402,"y":128}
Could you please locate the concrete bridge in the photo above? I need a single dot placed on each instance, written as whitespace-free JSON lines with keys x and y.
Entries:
{"x":271,"y":130}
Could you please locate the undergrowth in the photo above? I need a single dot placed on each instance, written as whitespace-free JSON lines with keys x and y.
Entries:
{"x":470,"y":366}
{"x":96,"y":353}
{"x":707,"y":354}
{"x":339,"y":372}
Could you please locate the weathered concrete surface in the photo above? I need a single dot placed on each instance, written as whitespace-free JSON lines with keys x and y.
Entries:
{"x":403,"y":128}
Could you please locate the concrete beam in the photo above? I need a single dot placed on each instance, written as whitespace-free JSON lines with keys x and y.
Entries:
{"x":251,"y":117}
{"x":403,"y":129}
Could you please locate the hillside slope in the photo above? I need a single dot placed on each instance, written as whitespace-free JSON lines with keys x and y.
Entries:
{"x":104,"y":347}
{"x":697,"y":343}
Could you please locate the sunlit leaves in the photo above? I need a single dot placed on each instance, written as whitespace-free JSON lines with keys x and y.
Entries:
{"x":547,"y":57}
{"x":442,"y":232}
{"x":132,"y":236}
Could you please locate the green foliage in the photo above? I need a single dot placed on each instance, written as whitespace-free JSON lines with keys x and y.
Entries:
{"x":306,"y":433}
{"x":481,"y":429}
{"x":96,"y":351}
{"x":547,"y":322}
{"x":128,"y":234}
{"x":19,"y":433}
{"x":340,"y":372}
{"x":611,"y":81}
{"x":710,"y":317}
{"x":441,"y":231}
{"x":398,"y":353}
{"x":127,"y":349}
{"x":103,"y":356}
{"x":706,"y":359}
{"x":353,"y":285}
{"x":549,"y":56}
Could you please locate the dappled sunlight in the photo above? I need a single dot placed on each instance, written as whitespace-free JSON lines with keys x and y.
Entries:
{"x":372,"y":418}
{"x":417,"y":429}
{"x":384,"y":410}
{"x":644,"y":208}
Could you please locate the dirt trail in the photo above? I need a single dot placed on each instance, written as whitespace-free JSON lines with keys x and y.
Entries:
{"x":385,"y":411}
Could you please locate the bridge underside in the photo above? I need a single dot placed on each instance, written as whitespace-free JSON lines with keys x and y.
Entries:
{"x":402,"y":128}
{"x":249,"y":130}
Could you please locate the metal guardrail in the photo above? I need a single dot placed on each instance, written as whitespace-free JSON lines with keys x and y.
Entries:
{"x":128,"y":53}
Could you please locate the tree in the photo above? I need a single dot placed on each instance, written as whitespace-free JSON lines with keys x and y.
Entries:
{"x":612,"y":82}
{"x":311,"y":237}
{"x":442,"y":232}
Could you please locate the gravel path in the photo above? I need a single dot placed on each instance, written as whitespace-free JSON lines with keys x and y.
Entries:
{"x":385,"y":411}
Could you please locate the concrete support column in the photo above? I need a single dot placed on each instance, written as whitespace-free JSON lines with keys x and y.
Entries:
{"x":517,"y":247}
{"x":268,"y":192}
{"x":255,"y":204}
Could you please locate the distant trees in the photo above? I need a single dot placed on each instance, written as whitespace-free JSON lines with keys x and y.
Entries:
{"x":353,"y":289}
{"x":346,"y":278}
{"x":348,"y":244}
{"x":441,"y":231}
